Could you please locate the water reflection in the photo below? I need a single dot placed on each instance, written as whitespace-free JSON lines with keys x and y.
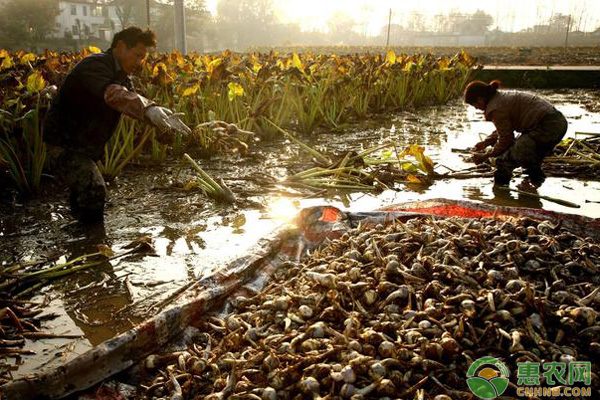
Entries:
{"x":504,"y":198}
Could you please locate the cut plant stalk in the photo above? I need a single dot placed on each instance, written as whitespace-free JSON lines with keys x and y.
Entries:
{"x":209,"y":185}
{"x":57,"y":267}
{"x":371,"y":151}
{"x":320,"y":157}
{"x":552,"y":199}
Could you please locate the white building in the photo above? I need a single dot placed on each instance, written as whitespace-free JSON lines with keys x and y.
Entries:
{"x":84,"y":19}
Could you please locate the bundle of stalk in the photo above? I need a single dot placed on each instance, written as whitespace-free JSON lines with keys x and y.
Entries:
{"x":24,"y":279}
{"x":218,"y":191}
{"x":578,"y":158}
{"x":374,"y":169}
{"x":221,"y":137}
{"x":573,"y":158}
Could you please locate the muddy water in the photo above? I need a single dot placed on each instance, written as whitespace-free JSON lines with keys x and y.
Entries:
{"x":193,"y":236}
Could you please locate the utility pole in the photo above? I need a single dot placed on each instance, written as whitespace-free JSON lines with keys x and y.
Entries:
{"x":180,"y":39}
{"x":387,"y":42}
{"x":568,"y":29}
{"x":148,"y":13}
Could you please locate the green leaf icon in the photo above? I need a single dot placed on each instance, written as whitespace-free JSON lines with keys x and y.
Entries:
{"x":482,"y":388}
{"x":500,"y":384}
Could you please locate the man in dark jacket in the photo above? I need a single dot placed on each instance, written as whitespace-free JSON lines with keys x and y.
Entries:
{"x":86,"y":111}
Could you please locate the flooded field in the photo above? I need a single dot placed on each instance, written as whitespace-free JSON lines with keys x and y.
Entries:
{"x":193,"y":236}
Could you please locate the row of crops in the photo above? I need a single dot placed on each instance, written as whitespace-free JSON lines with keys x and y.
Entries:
{"x":260,"y":93}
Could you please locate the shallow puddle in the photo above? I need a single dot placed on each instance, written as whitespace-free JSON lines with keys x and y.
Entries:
{"x":193,"y":237}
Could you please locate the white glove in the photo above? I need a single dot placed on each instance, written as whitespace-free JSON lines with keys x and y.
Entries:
{"x":164,"y":119}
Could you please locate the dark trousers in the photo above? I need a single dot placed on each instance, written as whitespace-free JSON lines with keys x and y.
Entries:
{"x":86,"y":184}
{"x":530,"y":149}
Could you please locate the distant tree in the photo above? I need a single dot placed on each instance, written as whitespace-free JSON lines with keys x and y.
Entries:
{"x":130,"y":12}
{"x":196,"y":22}
{"x":28,"y":22}
{"x":134,"y":12}
{"x":477,"y":23}
{"x":395,"y":29}
{"x":245,"y":23}
{"x":196,"y":6}
{"x":341,"y":24}
{"x":366,"y":11}
{"x":398,"y":35}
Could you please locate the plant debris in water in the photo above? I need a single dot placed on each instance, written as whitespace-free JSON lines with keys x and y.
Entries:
{"x":362,"y":171}
{"x":399,"y":311}
{"x":20,"y":320}
{"x":572,"y":158}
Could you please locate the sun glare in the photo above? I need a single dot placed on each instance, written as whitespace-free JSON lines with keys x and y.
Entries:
{"x":283,"y":209}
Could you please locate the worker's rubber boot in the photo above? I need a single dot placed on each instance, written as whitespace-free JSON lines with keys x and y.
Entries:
{"x":527,"y":186}
{"x":536,"y":176}
{"x":501,"y":178}
{"x":90,"y":215}
{"x":86,"y":215}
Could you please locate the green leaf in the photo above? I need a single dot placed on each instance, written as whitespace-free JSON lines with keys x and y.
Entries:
{"x":410,"y":168}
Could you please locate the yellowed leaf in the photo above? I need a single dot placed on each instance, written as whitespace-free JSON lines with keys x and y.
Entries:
{"x":157,"y":68}
{"x":235,"y":90}
{"x":296,"y":62}
{"x":190,"y":91}
{"x":213,"y":64}
{"x":413,"y":179}
{"x":105,"y":250}
{"x":35,"y":82}
{"x":390,"y":58}
{"x":27,"y":58}
{"x":7,"y":62}
{"x":191,"y":185}
{"x":408,"y":167}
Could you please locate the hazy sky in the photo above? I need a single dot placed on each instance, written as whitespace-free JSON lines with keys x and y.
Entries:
{"x":510,"y":15}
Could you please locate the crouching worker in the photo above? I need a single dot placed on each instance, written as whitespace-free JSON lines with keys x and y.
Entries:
{"x":541,"y":126}
{"x":86,"y":111}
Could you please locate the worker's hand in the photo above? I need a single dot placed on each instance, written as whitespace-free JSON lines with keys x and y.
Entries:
{"x":479,"y":147}
{"x":164,"y":119}
{"x":479,"y":158}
